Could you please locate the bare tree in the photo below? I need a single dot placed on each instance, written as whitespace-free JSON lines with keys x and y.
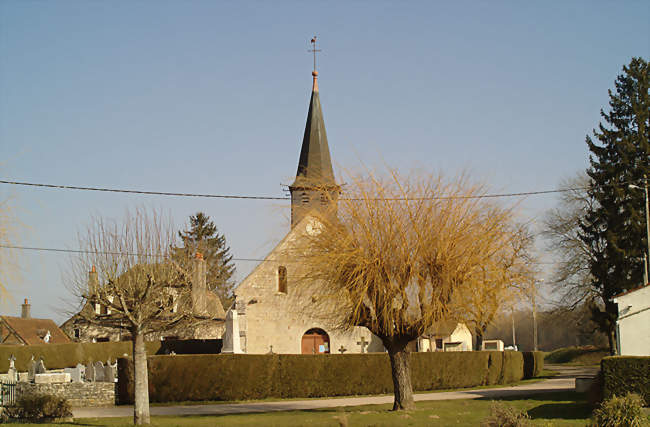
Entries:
{"x":135,"y":281}
{"x":562,"y":228}
{"x":402,"y":255}
{"x":496,"y":290}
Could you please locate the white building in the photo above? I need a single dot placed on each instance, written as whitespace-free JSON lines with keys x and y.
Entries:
{"x":633,"y":324}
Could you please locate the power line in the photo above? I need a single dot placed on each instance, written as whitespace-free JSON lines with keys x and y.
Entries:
{"x":237,"y":196}
{"x":79,"y":251}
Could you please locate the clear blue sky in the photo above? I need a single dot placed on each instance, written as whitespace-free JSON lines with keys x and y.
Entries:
{"x":211,"y":97}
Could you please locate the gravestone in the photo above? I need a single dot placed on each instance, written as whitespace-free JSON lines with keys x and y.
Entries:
{"x":40,"y":367}
{"x":76,"y":373}
{"x":12,"y":373}
{"x":99,"y":372}
{"x":31,"y":370}
{"x":110,"y":372}
{"x":90,"y":372}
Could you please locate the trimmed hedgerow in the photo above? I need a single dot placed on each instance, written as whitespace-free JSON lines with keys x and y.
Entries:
{"x":241,"y":376}
{"x":57,"y":356}
{"x":533,"y":363}
{"x":626,"y":374}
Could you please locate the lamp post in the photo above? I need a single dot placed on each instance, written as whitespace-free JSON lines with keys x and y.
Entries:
{"x":647,"y":225}
{"x":534,"y":294}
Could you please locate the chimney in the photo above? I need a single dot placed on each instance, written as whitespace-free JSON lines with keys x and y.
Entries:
{"x":26,"y":312}
{"x":93,"y":281}
{"x":199,"y":286}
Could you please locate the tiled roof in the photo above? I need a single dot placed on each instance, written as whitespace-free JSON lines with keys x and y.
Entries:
{"x":32,"y":331}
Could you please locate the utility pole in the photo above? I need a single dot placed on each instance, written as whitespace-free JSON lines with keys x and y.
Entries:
{"x":534,"y":302}
{"x":514,"y":340}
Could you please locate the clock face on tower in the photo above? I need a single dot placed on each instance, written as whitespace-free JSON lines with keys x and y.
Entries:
{"x":314,"y":227}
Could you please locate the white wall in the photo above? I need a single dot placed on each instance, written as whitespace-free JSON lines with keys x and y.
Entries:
{"x":633,"y":324}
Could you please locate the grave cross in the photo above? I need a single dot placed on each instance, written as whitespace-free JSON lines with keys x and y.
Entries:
{"x":342,"y":349}
{"x":363,"y":343}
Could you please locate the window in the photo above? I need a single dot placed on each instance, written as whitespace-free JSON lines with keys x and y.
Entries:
{"x":98,"y":308}
{"x":323,"y":199}
{"x":282,"y":279}
{"x":77,"y":333}
{"x":304,"y":198}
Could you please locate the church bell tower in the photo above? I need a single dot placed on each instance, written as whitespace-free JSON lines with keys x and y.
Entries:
{"x":314,"y":187}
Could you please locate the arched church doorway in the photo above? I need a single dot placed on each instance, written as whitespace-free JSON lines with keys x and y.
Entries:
{"x":315,"y":341}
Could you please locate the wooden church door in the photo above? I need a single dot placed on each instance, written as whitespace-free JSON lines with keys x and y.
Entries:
{"x":315,"y":341}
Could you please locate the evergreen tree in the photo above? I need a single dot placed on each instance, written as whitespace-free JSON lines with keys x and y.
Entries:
{"x":202,"y":236}
{"x":614,"y":226}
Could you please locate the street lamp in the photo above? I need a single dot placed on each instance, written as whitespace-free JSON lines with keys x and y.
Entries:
{"x":647,"y":225}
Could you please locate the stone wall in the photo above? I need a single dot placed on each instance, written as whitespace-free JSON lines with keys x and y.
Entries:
{"x":77,"y":394}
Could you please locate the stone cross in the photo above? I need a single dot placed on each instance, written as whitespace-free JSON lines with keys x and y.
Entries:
{"x":363,"y":343}
{"x":342,"y":349}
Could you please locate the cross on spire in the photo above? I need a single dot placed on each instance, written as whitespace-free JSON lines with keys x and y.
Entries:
{"x":314,"y":50}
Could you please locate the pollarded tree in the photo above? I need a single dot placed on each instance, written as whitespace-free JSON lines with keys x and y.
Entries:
{"x":135,"y":279}
{"x":402,"y":255}
{"x":202,"y":236}
{"x":614,"y":226}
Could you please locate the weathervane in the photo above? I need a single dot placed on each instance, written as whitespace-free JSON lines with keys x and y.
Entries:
{"x":314,"y":50}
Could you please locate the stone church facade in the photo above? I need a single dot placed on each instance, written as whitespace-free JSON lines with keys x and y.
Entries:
{"x":271,"y":313}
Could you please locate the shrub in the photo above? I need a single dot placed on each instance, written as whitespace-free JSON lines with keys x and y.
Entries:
{"x":620,"y":412}
{"x":38,"y":407}
{"x":585,"y":355}
{"x":626,"y":374}
{"x":244,"y":376}
{"x":502,"y":415}
{"x":533,"y":363}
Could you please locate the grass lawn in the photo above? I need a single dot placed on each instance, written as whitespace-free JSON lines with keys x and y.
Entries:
{"x":557,"y":409}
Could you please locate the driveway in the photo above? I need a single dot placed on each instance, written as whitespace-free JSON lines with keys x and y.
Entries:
{"x":564,"y":381}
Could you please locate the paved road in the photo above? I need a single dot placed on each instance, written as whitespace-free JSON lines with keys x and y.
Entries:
{"x":564,"y":381}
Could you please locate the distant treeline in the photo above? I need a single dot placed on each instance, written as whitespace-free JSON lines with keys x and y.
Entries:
{"x":556,"y":328}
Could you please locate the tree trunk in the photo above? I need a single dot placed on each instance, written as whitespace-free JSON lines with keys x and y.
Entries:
{"x":400,"y":359}
{"x":611,"y":338}
{"x":479,"y":339}
{"x":141,"y":408}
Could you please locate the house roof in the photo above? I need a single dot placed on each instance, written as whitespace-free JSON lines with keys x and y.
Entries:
{"x":32,"y":331}
{"x":315,"y":164}
{"x":629,"y":291}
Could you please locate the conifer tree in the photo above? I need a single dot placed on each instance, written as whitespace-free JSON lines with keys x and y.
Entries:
{"x":202,"y":236}
{"x":614,"y":226}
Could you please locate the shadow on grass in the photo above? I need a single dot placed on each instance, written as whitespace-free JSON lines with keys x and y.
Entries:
{"x":555,"y":396}
{"x":565,"y":410}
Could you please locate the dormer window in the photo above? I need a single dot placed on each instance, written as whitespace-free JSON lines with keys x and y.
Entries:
{"x":282,"y":279}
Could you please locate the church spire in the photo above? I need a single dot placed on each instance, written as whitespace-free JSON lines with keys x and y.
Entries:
{"x":315,"y":173}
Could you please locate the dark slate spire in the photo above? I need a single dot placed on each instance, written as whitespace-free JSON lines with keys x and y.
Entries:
{"x":315,"y":164}
{"x":314,"y":187}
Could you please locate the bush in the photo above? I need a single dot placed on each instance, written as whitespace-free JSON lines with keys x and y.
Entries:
{"x":626,"y":374}
{"x":533,"y":363}
{"x":585,"y":355}
{"x":502,"y":415}
{"x":38,"y":407}
{"x":243,"y":376}
{"x":58,"y":356}
{"x":620,"y":412}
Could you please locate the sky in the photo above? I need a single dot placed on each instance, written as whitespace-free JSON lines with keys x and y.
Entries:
{"x":211,"y":97}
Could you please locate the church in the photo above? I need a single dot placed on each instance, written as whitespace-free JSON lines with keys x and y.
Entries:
{"x":270,"y":315}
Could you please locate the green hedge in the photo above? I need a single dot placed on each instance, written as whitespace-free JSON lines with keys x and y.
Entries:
{"x":626,"y":374}
{"x":533,"y":363}
{"x":241,"y":377}
{"x":57,"y":356}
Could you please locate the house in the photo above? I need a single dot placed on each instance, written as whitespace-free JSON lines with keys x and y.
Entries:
{"x":633,"y":323}
{"x":26,"y":330}
{"x":446,"y":336}
{"x":207,"y":321}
